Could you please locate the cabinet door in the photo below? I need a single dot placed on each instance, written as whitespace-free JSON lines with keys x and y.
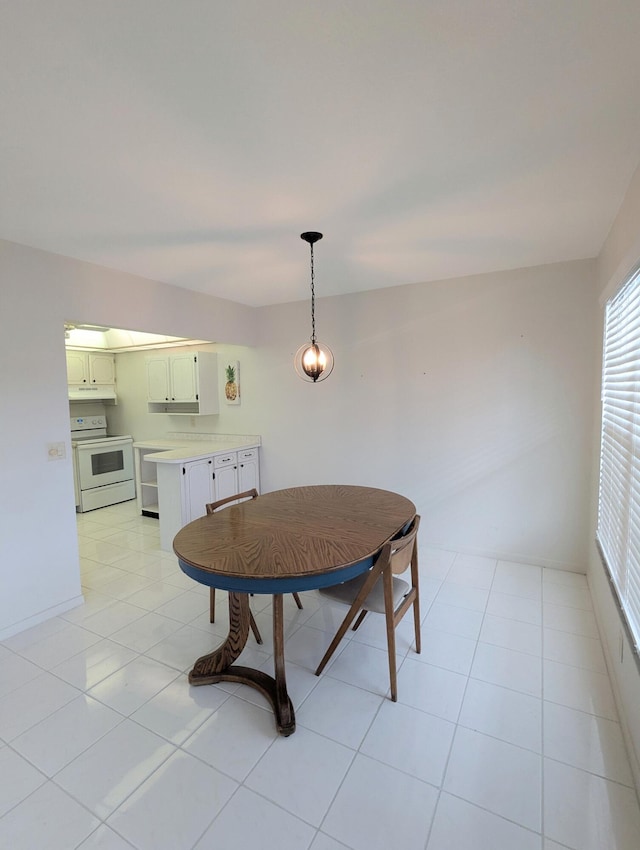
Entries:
{"x":248,"y":470}
{"x":226,"y":482}
{"x":158,"y":378}
{"x":184,"y":384}
{"x":77,"y":367}
{"x":197,"y":488}
{"x":102,"y":368}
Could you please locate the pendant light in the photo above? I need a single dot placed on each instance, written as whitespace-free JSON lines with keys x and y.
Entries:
{"x":313,"y":362}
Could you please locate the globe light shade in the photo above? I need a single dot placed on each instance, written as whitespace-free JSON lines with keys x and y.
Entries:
{"x":313,"y":362}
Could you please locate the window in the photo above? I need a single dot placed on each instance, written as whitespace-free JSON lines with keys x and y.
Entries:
{"x":619,"y":492}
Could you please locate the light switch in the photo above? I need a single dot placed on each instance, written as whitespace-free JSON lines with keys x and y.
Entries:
{"x":56,"y":451}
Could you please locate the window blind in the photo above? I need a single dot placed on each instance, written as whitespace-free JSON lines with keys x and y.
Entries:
{"x":619,"y":490}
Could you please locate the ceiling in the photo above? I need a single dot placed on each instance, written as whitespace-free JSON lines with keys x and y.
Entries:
{"x":192,"y":142}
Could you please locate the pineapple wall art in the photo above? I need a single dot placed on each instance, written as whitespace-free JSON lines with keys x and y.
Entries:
{"x":232,"y":382}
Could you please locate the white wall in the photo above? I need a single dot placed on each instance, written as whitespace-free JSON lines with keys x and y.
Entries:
{"x":473,"y":397}
{"x":39,"y":572}
{"x":620,"y":254}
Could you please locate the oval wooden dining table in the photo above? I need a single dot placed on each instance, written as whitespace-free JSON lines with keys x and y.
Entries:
{"x":297,"y":539}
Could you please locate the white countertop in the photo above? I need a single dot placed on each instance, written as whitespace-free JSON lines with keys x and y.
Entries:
{"x":178,"y":451}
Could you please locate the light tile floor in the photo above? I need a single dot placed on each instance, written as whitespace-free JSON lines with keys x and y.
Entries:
{"x":505,"y":734}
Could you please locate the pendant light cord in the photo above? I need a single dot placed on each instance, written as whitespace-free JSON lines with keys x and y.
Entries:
{"x":313,"y":301}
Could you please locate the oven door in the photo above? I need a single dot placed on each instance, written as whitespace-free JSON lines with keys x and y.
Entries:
{"x":107,"y":462}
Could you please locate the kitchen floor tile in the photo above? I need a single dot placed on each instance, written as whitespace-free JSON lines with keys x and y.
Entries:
{"x":431,"y":689}
{"x":515,"y":607}
{"x":307,"y":646}
{"x":104,"y":838}
{"x":339,"y":711}
{"x":576,"y":650}
{"x":585,"y":690}
{"x":179,"y":709}
{"x":443,"y":649}
{"x":146,"y":632}
{"x":113,"y":618}
{"x":61,"y":823}
{"x":182,"y":648}
{"x":358,"y":664}
{"x":454,"y":620}
{"x":587,"y":742}
{"x":508,"y":668}
{"x":56,"y":648}
{"x":410,"y":740}
{"x":379,"y":807}
{"x":459,"y":825}
{"x":574,"y":620}
{"x":18,"y":643}
{"x":463,"y":596}
{"x":301,"y":773}
{"x":496,"y":776}
{"x":131,"y":686}
{"x":15,"y":671}
{"x":18,"y":779}
{"x":568,"y":596}
{"x":473,"y":571}
{"x":154,"y":595}
{"x":434,"y":562}
{"x":503,"y":713}
{"x":91,"y":666}
{"x":63,"y":735}
{"x":586,"y":812}
{"x":234,"y":737}
{"x":173,"y":807}
{"x":104,"y":776}
{"x":248,"y":820}
{"x":512,"y":634}
{"x":186,"y":606}
{"x":30,"y":703}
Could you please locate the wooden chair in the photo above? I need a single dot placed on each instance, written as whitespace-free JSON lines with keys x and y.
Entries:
{"x":380,"y":590}
{"x":211,"y":507}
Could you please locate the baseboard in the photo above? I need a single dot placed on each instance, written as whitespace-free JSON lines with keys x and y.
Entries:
{"x":36,"y":619}
{"x":514,"y":558}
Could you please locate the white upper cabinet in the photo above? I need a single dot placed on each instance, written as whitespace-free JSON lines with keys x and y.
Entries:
{"x":183,"y":383}
{"x":90,"y":367}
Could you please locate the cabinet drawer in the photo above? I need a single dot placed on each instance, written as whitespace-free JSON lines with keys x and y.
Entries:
{"x":227,"y":459}
{"x":247,"y":454}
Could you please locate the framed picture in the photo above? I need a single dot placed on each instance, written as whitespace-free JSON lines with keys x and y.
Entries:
{"x":232,"y":385}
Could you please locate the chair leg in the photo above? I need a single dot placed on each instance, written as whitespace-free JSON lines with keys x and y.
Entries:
{"x":416,"y":623}
{"x":351,"y":613}
{"x":389,"y":614}
{"x":297,"y":598}
{"x":361,"y":617}
{"x":254,"y":628}
{"x":212,"y":604}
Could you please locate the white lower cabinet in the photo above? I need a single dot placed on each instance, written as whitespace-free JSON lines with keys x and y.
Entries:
{"x":197,"y":488}
{"x":248,"y":470}
{"x":184,"y":489}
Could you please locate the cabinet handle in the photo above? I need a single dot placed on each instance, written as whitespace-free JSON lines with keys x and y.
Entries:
{"x":184,"y":470}
{"x":242,"y":466}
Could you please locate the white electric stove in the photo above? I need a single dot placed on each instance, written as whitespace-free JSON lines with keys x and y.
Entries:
{"x":102,"y":465}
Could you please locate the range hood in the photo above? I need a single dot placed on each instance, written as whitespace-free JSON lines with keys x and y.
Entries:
{"x":92,"y":392}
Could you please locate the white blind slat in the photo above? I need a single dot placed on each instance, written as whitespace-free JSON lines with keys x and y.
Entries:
{"x":619,"y":488}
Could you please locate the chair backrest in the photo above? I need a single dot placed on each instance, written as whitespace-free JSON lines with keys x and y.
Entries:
{"x":248,"y":494}
{"x":401,"y":551}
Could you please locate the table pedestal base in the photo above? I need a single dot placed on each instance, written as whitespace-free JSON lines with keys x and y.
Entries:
{"x":218,"y":665}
